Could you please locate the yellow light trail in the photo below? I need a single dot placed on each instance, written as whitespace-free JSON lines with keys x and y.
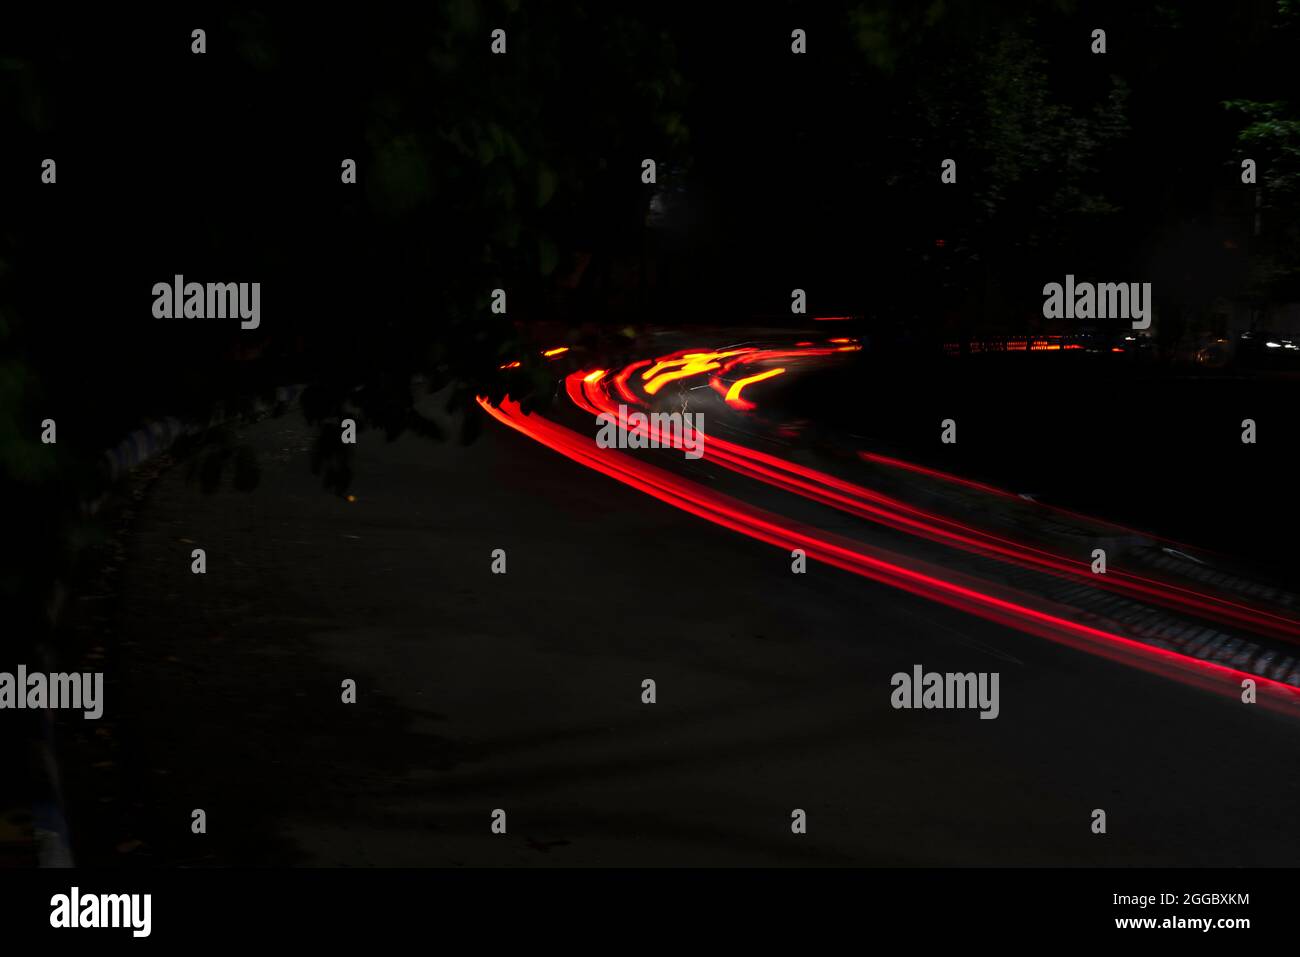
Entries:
{"x":739,"y":384}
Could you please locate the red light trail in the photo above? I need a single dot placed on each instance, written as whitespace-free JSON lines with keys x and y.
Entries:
{"x":589,"y":391}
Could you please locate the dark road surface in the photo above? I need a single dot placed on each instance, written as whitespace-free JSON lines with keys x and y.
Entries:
{"x":523,"y":692}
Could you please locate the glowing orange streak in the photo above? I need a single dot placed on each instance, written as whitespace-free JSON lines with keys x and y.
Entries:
{"x":865,"y":561}
{"x":594,"y":376}
{"x":691,"y":359}
{"x":671,"y":361}
{"x":555,"y":352}
{"x":739,"y":385}
{"x":662,"y":364}
{"x":694,"y":368}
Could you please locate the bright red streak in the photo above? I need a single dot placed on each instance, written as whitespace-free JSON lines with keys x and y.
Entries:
{"x":965,"y":593}
{"x":874,"y":506}
{"x":620,"y":380}
{"x":933,"y":473}
{"x":958,"y":480}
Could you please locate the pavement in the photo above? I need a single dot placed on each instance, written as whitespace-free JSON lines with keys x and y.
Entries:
{"x":522,"y":692}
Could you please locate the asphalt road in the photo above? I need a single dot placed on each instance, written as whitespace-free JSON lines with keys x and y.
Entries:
{"x":522,"y":692}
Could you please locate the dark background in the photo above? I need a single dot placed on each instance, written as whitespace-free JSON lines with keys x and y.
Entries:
{"x":775,"y":171}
